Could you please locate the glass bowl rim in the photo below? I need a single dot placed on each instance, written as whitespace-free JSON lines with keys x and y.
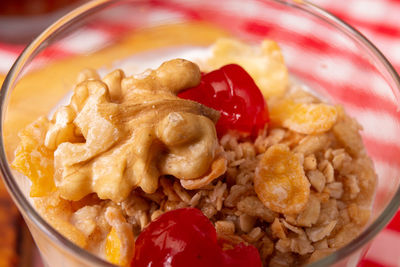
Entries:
{"x":91,"y":7}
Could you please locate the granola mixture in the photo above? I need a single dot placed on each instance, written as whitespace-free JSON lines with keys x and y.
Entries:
{"x":298,"y":191}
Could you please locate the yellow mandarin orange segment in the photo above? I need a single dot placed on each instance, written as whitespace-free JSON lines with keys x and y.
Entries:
{"x":34,"y":160}
{"x":306,"y":118}
{"x":280,"y":182}
{"x":113,"y":248}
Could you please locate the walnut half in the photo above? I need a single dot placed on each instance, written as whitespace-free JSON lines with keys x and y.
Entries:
{"x":125,"y":132}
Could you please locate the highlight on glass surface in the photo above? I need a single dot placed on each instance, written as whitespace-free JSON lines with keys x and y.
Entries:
{"x":248,"y":126}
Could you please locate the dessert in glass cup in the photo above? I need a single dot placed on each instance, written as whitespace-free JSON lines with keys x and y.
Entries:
{"x":225,"y":149}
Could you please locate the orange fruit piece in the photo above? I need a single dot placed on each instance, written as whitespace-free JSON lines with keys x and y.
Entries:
{"x":280,"y":182}
{"x":113,"y":248}
{"x":306,"y":118}
{"x":34,"y":160}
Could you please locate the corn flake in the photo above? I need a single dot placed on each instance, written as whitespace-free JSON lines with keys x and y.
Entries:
{"x":280,"y":182}
{"x":265,"y":64}
{"x":306,"y":118}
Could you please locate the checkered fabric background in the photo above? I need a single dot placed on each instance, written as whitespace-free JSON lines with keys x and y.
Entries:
{"x":378,"y":20}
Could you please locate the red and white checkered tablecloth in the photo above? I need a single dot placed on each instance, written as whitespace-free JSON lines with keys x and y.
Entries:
{"x":378,"y":20}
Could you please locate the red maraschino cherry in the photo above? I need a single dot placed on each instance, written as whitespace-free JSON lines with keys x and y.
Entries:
{"x":234,"y":93}
{"x":185,"y":237}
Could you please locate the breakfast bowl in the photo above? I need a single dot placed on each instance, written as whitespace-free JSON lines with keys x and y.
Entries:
{"x":328,"y":58}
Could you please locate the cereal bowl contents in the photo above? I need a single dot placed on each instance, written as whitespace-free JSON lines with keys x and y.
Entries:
{"x":232,"y":154}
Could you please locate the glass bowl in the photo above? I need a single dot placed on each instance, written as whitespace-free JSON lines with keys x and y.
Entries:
{"x":320,"y":50}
